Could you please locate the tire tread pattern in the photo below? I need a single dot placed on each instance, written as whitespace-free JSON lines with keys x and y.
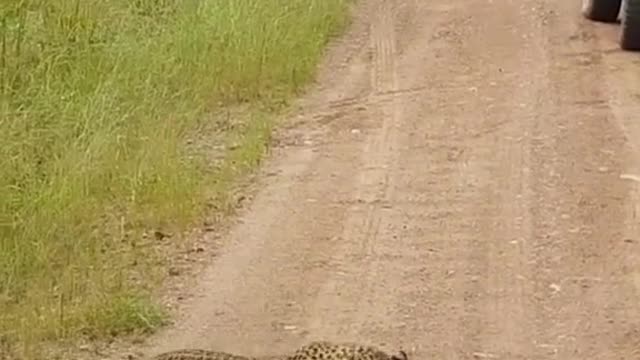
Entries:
{"x":603,"y":10}
{"x":630,"y":39}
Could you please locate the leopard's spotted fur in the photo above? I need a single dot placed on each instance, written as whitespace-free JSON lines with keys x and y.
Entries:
{"x":324,"y":350}
{"x":318,"y":350}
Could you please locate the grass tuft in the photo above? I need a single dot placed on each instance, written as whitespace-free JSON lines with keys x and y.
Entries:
{"x":99,"y":103}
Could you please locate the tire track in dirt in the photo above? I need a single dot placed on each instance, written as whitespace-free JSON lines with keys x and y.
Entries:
{"x":400,"y":289}
{"x":583,"y":281}
{"x":355,"y":259}
{"x":499,"y":257}
{"x":477,"y":155}
{"x":624,"y":87}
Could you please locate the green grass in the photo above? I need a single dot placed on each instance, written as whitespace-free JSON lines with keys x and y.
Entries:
{"x":100,"y":105}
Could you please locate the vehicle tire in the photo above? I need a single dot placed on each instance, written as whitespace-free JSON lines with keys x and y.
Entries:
{"x":630,"y":38}
{"x":601,"y":10}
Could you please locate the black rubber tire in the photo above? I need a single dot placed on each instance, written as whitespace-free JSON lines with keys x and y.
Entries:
{"x":630,"y":38}
{"x":601,"y":10}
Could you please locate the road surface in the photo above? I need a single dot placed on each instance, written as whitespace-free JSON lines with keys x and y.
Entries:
{"x":462,"y":183}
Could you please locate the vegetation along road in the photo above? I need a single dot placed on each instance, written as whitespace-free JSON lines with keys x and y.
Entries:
{"x":461,"y":180}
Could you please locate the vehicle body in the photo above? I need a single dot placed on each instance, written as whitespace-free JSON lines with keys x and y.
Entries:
{"x":625,"y":11}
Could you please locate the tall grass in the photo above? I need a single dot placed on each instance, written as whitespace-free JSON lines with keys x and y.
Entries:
{"x":97,"y":101}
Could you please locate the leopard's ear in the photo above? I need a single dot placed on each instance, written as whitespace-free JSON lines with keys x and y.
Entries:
{"x":401,"y":356}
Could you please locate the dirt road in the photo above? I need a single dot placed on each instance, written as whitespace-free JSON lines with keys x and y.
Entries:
{"x":453,"y":188}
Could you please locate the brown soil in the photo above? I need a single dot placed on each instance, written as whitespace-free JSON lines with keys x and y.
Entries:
{"x":452,"y":188}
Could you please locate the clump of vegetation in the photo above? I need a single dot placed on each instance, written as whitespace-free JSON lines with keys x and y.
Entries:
{"x":97,"y":101}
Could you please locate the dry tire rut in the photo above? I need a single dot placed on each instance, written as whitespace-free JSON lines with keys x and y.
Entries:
{"x":453,"y":189}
